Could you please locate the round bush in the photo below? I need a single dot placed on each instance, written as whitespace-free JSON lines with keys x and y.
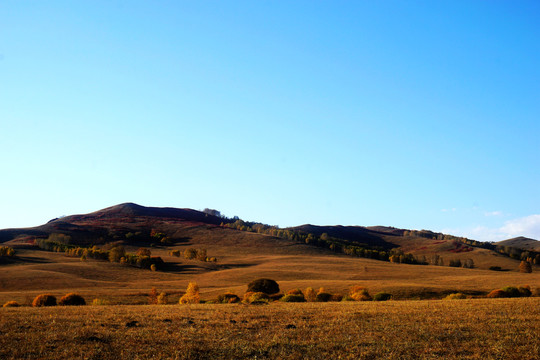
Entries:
{"x":266,"y":286}
{"x":228,"y":298}
{"x":323,"y":297}
{"x":382,"y":296}
{"x":499,"y":293}
{"x":511,"y":291}
{"x":44,"y":300}
{"x":72,"y":299}
{"x":293,"y":298}
{"x":11,"y":304}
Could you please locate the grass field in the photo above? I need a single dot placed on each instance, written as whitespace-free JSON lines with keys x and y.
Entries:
{"x":458,"y":329}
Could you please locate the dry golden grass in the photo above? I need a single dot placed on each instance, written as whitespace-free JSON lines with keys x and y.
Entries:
{"x":465,"y":329}
{"x":57,"y":274}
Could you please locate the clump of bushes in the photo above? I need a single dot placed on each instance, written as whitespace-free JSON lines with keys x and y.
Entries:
{"x":72,"y":299}
{"x":44,"y":300}
{"x":511,"y":292}
{"x":192,"y":294}
{"x":382,"y":296}
{"x":267,"y":286}
{"x":359,"y":293}
{"x":228,"y":298}
{"x":455,"y":296}
{"x":11,"y":304}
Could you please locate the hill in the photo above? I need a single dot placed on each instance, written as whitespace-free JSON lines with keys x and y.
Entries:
{"x":242,"y":255}
{"x":521,"y":242}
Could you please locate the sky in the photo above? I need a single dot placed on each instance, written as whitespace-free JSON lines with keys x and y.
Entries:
{"x":412,"y":114}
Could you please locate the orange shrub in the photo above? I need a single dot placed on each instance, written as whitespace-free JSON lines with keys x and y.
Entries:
{"x":359,"y":293}
{"x":44,"y":300}
{"x":11,"y":304}
{"x":498,"y":293}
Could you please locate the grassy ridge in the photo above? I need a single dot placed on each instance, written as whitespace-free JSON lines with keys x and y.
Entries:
{"x":461,"y":329}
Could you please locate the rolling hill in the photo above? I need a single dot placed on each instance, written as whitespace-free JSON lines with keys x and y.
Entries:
{"x":241,"y":256}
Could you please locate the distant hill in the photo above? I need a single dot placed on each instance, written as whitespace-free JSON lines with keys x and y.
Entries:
{"x":134,"y":225}
{"x":113,"y":223}
{"x":521,"y":242}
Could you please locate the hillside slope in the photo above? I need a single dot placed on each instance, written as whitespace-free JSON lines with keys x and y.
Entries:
{"x":521,"y":242}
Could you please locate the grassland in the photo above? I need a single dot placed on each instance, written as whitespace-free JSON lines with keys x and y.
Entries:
{"x":460,"y":329}
{"x":55,"y":273}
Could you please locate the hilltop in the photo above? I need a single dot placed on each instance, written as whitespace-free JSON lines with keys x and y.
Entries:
{"x":521,"y":242}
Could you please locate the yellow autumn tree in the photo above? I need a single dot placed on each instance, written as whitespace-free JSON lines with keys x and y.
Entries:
{"x":192,"y":294}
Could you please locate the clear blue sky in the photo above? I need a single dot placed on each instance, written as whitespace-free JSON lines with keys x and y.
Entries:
{"x":414,"y":114}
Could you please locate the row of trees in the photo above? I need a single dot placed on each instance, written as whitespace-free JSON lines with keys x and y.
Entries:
{"x":192,"y":254}
{"x":337,"y":245}
{"x":117,"y":253}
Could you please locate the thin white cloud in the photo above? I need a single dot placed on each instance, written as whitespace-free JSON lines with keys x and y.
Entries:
{"x":528,"y":226}
{"x":493,"y":213}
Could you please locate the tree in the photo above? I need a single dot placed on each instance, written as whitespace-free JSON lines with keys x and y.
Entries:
{"x":117,"y":253}
{"x":267,"y":286}
{"x":192,"y":294}
{"x":525,"y":267}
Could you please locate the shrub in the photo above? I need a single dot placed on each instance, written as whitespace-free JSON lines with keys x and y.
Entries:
{"x":255,"y":298}
{"x":99,"y":302}
{"x":44,"y":300}
{"x":323,"y":297}
{"x":382,"y":296}
{"x":295,"y":292}
{"x":293,"y":298}
{"x":228,"y":298}
{"x":525,"y":291}
{"x":511,"y":291}
{"x":347,"y":298}
{"x":266,"y":286}
{"x":310,"y":294}
{"x":72,"y":299}
{"x":163,"y":299}
{"x":192,"y":294}
{"x":11,"y":304}
{"x":152,"y":297}
{"x":498,"y":293}
{"x":525,"y":267}
{"x":455,"y":296}
{"x":359,"y":293}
